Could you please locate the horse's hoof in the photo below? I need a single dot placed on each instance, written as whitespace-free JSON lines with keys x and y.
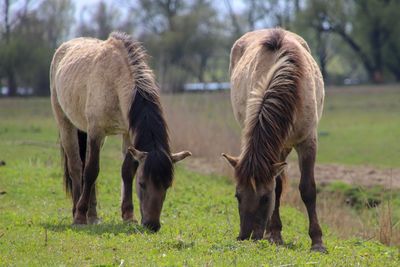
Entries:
{"x":129,"y":217}
{"x":131,"y":220}
{"x":319,"y":248}
{"x":78,"y":220}
{"x":275,"y":239}
{"x":93,"y":220}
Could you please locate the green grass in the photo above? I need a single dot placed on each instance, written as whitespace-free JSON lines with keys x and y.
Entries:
{"x":199,"y":220}
{"x":361,"y":127}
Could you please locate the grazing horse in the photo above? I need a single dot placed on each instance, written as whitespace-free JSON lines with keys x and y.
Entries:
{"x":277,"y":94}
{"x":101,"y":88}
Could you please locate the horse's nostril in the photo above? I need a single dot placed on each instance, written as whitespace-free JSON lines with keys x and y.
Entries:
{"x":152,"y":226}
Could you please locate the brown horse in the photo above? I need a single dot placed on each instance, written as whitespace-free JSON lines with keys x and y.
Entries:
{"x":101,"y":88}
{"x":277,"y":96}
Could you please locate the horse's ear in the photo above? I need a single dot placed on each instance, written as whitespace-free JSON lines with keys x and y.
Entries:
{"x":231,"y":160}
{"x":279,"y":167}
{"x":137,"y":154}
{"x":175,"y":157}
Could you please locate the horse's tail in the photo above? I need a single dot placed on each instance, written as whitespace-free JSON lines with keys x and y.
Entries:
{"x":82,"y":139}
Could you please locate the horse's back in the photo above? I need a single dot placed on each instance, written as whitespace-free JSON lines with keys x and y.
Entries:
{"x":251,"y":62}
{"x":85,"y":73}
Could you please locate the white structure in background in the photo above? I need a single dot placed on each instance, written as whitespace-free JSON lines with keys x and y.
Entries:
{"x":189,"y":87}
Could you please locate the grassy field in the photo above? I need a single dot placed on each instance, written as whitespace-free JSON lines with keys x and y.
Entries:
{"x":361,"y":127}
{"x":199,"y":220}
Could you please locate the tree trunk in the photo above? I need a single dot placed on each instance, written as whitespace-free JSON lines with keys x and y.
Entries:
{"x":375,"y":40}
{"x":10,"y":74}
{"x":202,"y":68}
{"x":11,"y":82}
{"x":322,"y":55}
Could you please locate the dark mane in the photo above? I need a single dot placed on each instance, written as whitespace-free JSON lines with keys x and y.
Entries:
{"x":271,"y":110}
{"x":146,"y":119}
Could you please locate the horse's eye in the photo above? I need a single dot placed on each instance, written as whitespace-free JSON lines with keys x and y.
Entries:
{"x":264,"y":199}
{"x":142,"y":185}
{"x":238,"y":197}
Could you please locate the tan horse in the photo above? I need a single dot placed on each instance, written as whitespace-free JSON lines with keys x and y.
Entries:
{"x":277,"y":97}
{"x":101,"y":88}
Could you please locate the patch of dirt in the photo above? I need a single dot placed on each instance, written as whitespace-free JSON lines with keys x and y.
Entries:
{"x":324,"y":173}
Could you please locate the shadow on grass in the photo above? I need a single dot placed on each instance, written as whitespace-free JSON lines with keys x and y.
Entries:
{"x":291,"y":245}
{"x":98,"y":229}
{"x":265,"y":243}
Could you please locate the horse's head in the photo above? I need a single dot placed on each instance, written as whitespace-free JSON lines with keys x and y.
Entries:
{"x":153,"y":177}
{"x":256,"y":200}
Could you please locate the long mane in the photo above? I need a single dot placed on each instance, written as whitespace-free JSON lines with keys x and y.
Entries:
{"x":146,"y":119}
{"x":270,"y":111}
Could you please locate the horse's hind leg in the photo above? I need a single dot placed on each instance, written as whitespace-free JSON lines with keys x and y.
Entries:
{"x":275,"y":224}
{"x":69,"y":142}
{"x":90,"y":174}
{"x":128,"y":171}
{"x":70,"y":145}
{"x":92,"y":210}
{"x":307,"y":153}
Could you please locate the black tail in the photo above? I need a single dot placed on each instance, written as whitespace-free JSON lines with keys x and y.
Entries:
{"x":82,"y":137}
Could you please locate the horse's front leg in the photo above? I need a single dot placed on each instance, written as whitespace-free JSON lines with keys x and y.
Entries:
{"x":128,"y":172}
{"x":92,"y":217}
{"x":307,"y":153}
{"x":275,"y":226}
{"x":89,"y":178}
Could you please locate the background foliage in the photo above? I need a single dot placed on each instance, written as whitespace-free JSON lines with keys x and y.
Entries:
{"x":189,"y":40}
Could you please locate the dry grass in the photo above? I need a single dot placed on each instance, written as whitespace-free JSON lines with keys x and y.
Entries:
{"x":369,"y":223}
{"x":207,"y":130}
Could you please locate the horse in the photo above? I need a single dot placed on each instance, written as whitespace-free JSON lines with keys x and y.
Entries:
{"x":277,"y":95}
{"x":101,"y":88}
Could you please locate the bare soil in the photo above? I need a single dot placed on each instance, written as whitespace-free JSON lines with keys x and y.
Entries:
{"x":324,"y":173}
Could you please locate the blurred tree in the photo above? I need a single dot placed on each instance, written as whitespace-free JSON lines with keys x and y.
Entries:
{"x":262,"y":14}
{"x":183,"y":37}
{"x":100,"y":22}
{"x":58,"y":16}
{"x":30,"y":39}
{"x":365,"y":26}
{"x":8,"y":66}
{"x":391,"y":48}
{"x":310,"y":23}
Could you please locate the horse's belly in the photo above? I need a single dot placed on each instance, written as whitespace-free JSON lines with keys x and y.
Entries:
{"x":73,"y":105}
